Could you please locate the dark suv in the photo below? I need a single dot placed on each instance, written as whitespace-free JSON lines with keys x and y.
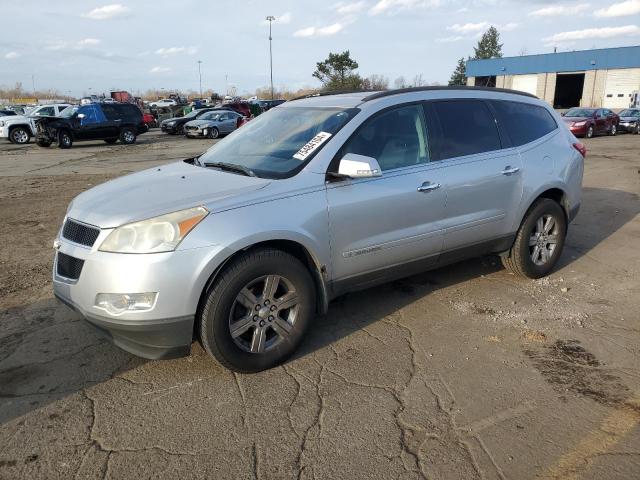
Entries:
{"x":93,"y":121}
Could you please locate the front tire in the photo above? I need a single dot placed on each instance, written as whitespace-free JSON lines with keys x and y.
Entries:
{"x":44,"y":143}
{"x":613,"y":130}
{"x":258,"y":311}
{"x":127,"y":136}
{"x":589,"y":133}
{"x":539,"y":241}
{"x":64,"y":139}
{"x":213,"y":133}
{"x":19,"y":135}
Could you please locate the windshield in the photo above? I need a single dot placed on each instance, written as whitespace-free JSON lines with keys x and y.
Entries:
{"x":210,"y":116}
{"x":69,"y":111}
{"x":630,"y":113}
{"x":579,"y":112}
{"x":272,"y":144}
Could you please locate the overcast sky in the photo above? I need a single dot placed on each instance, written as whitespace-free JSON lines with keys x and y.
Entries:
{"x":72,"y":45}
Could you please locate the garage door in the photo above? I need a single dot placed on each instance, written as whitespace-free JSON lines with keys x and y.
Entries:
{"x":525,"y":83}
{"x":618,"y":87}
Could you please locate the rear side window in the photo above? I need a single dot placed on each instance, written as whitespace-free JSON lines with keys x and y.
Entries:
{"x":467,"y":127}
{"x":110,"y":112}
{"x":524,"y":122}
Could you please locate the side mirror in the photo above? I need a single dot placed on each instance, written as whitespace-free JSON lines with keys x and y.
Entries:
{"x":563,"y":114}
{"x":353,"y":165}
{"x":80,"y":116}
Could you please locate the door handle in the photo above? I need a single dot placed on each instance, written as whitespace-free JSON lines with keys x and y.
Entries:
{"x":428,"y":186}
{"x":508,"y":170}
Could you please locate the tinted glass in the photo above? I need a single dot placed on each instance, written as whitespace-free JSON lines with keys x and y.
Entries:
{"x":524,"y":122}
{"x":396,"y":138}
{"x":467,"y":127}
{"x":110,"y":112}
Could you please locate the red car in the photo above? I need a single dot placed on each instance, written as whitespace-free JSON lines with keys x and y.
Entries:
{"x":149,"y":120}
{"x":587,"y":122}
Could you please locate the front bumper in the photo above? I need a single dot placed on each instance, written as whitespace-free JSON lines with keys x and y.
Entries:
{"x":168,"y":128}
{"x":627,"y":126}
{"x":165,"y":330}
{"x":201,"y":132}
{"x":4,"y":132}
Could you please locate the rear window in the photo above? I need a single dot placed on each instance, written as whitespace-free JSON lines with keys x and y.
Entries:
{"x":467,"y":127}
{"x":524,"y":122}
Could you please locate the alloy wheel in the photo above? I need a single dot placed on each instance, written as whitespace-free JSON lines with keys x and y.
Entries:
{"x":263,"y":313}
{"x":129,"y":137}
{"x":543,"y":239}
{"x":19,"y":136}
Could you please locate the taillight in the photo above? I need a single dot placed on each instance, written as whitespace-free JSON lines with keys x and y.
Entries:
{"x":580,"y":148}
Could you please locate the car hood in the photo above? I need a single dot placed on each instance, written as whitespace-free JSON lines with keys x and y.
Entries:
{"x":174,"y":119}
{"x":17,"y":119}
{"x":629,"y":119}
{"x":157,"y":191}
{"x":200,"y":123}
{"x":575,"y":119}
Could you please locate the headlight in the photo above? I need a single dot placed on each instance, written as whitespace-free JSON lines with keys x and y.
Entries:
{"x":1,"y":124}
{"x":171,"y":124}
{"x":159,"y":234}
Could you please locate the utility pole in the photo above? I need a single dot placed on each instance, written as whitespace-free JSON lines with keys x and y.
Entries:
{"x":270,"y":19}
{"x":200,"y":76}
{"x":33,"y":85}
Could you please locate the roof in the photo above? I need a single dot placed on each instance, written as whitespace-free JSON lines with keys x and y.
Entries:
{"x":354,"y":99}
{"x":578,"y":61}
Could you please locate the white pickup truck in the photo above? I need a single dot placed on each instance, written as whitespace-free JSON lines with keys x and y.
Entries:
{"x":20,"y":128}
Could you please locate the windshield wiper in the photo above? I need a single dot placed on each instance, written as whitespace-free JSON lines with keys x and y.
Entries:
{"x":232,"y":167}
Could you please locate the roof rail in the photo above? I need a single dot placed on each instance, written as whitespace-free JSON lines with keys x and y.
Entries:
{"x":388,"y":93}
{"x":327,"y":93}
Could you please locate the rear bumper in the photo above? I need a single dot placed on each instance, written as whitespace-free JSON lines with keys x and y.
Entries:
{"x":579,"y":131}
{"x":157,"y":339}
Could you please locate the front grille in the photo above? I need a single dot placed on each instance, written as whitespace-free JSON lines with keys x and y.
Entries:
{"x":69,"y":267}
{"x":80,"y":233}
{"x":190,"y":127}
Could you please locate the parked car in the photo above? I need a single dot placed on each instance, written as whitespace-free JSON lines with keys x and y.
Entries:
{"x":20,"y":128}
{"x":269,"y":104}
{"x":213,"y":124}
{"x":164,"y":102}
{"x":94,"y":121}
{"x":243,"y":108}
{"x":149,"y":120}
{"x":630,"y":120}
{"x":175,"y":125}
{"x":587,"y":122}
{"x":244,"y":244}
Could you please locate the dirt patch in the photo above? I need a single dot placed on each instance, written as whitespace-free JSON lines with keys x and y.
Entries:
{"x":568,"y":366}
{"x":534,"y":336}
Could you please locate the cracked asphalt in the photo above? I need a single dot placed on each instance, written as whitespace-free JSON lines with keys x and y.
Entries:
{"x":466,"y":372}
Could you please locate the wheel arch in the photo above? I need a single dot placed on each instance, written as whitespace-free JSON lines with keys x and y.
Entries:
{"x":293,"y":247}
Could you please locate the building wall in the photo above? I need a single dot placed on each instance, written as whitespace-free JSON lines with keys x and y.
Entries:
{"x":471,"y":81}
{"x":593,"y":90}
{"x":546,"y":87}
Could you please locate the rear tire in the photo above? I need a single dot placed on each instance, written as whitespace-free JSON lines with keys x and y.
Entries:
{"x":127,"y":136}
{"x":266,"y":297}
{"x":64,"y":139}
{"x":539,"y":241}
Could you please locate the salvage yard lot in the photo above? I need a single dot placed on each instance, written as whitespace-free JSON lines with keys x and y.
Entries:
{"x":463,"y":372}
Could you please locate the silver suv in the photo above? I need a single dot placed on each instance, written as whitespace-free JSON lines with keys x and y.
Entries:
{"x":242,"y":246}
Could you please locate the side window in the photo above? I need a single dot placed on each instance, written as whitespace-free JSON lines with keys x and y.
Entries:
{"x":91,"y":115}
{"x":46,"y":112}
{"x":61,"y":108}
{"x":395,"y":138}
{"x":524,"y":122}
{"x":467,"y":127}
{"x":110,"y":112}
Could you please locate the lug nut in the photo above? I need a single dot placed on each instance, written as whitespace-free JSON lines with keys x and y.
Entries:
{"x":262,"y":323}
{"x":266,"y":302}
{"x":257,"y":307}
{"x":270,"y":318}
{"x":255,"y":318}
{"x":273,"y":308}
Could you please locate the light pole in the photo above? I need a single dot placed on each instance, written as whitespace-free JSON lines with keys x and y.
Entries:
{"x":200,"y":75}
{"x":270,"y":19}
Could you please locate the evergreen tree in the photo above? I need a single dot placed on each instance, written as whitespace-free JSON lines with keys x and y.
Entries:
{"x":337,"y":72}
{"x":459,"y":75}
{"x":488,"y":45}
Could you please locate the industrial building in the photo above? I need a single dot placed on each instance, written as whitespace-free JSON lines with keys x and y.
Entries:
{"x":588,"y":78}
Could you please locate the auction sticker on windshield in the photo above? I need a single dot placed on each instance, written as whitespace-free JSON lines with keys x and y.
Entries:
{"x":312,"y":145}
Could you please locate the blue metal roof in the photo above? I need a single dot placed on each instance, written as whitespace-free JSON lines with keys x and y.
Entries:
{"x":620,"y":57}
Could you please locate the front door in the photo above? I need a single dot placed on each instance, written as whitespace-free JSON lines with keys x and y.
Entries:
{"x":389,"y":221}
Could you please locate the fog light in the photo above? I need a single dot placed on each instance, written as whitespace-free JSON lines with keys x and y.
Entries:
{"x":205,"y":132}
{"x":117,"y":303}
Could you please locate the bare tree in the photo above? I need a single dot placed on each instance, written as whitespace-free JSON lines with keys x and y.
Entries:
{"x":400,"y":82}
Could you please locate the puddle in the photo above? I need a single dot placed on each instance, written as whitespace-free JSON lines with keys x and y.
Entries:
{"x":569,"y":367}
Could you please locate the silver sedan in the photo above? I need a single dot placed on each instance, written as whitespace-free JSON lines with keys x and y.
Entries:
{"x":212,"y":124}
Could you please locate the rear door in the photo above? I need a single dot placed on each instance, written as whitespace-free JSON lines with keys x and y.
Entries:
{"x":482,"y":174}
{"x":392,"y":220}
{"x":601,"y":121}
{"x":113,"y":121}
